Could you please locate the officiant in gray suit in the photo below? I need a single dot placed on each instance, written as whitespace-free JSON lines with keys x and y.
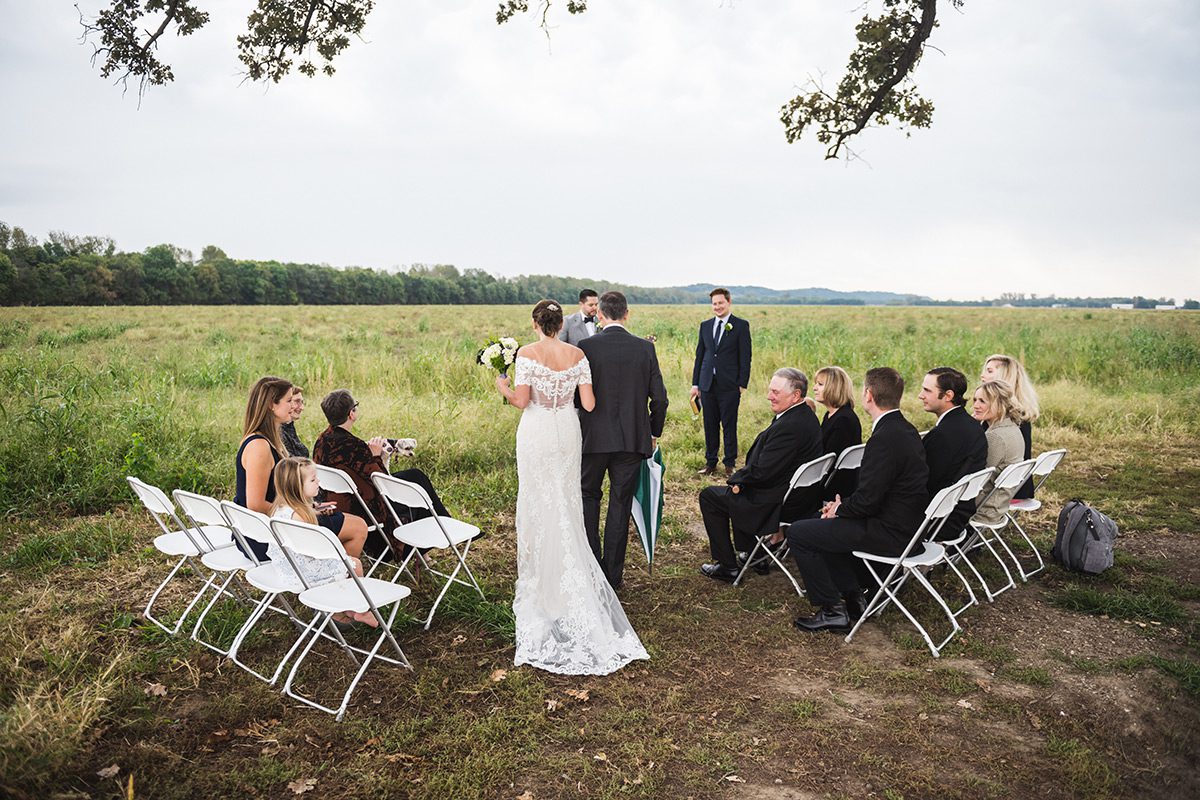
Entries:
{"x":581,"y":324}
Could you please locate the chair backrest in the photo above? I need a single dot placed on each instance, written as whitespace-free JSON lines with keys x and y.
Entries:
{"x":202,"y":511}
{"x":945,"y":500}
{"x":155,"y":500}
{"x":250,"y":524}
{"x":338,"y":481}
{"x":849,"y":459}
{"x":1046,"y":463}
{"x":1014,"y":475}
{"x":310,"y":540}
{"x":812,"y":472}
{"x":975,"y":482}
{"x":406,"y":493}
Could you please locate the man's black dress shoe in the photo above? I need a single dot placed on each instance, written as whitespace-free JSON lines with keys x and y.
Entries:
{"x":718,"y":572}
{"x":728,"y":471}
{"x":708,"y":470}
{"x":834,"y":620}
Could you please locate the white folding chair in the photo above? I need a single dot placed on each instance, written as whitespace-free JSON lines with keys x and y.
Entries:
{"x":1011,"y":479}
{"x":252,"y":526}
{"x":808,"y":474}
{"x":353,"y":593}
{"x":848,"y":460}
{"x":972,"y":486}
{"x":907,"y":565}
{"x":986,"y":535}
{"x":339,"y":482}
{"x":429,"y":533}
{"x":1042,"y":467}
{"x":227,"y":560}
{"x":177,"y":540}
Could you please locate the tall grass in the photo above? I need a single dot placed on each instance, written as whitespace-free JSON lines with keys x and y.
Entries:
{"x":159,"y":392}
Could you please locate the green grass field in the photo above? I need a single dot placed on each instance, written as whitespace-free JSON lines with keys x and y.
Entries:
{"x":1066,"y":687}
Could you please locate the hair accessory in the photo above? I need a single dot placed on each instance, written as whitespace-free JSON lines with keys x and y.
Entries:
{"x":552,"y":307}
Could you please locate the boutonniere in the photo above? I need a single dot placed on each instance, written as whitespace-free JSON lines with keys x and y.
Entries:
{"x":728,"y":326}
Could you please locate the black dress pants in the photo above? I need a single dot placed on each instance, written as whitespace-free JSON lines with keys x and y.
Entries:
{"x":622,"y":470}
{"x":823,"y":549}
{"x":715,"y":502}
{"x":720,"y":408}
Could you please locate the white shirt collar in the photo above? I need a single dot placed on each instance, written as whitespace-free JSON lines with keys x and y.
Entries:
{"x":789,"y":408}
{"x":614,"y":325}
{"x":875,"y":424}
{"x":942,"y":416}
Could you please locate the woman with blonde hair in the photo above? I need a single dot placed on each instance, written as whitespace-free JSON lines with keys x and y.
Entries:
{"x":1008,"y":369}
{"x":995,"y":406}
{"x":840,"y":428}
{"x":296,"y":489}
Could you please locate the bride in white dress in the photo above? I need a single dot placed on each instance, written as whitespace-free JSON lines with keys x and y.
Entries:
{"x":569,"y":620}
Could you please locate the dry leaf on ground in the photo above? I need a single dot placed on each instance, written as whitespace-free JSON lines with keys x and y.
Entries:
{"x":499,"y":675}
{"x":582,"y":695}
{"x":109,"y":772}
{"x":734,"y":779}
{"x":156,"y":690}
{"x":303,"y":785}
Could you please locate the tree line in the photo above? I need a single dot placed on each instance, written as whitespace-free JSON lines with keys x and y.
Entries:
{"x":69,"y":270}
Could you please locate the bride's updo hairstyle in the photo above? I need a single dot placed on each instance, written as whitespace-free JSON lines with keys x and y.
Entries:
{"x":548,"y":316}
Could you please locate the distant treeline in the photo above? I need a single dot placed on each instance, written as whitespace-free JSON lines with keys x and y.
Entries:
{"x":70,"y":270}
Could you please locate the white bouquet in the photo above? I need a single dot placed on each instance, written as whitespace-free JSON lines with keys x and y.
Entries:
{"x":498,"y":354}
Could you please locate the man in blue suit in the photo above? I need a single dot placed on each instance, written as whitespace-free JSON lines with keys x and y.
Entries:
{"x":719,"y":376}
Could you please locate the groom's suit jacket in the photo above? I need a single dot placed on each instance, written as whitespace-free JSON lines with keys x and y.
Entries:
{"x":574,"y":329}
{"x":776,"y":454}
{"x":722,"y":365}
{"x":625,"y":378}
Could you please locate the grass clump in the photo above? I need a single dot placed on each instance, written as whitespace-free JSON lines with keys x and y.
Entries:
{"x":1119,"y":603}
{"x":1085,"y":772}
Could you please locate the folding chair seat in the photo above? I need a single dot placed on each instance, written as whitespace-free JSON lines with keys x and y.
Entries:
{"x":808,"y":474}
{"x":178,"y":540}
{"x":263,"y":576}
{"x":350,"y":594}
{"x":916,"y":559}
{"x":429,"y":533}
{"x":205,"y":512}
{"x":339,"y":482}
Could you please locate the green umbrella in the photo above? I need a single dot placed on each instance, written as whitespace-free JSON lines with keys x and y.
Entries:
{"x":648,"y":503}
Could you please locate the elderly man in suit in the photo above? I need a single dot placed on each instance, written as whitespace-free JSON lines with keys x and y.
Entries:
{"x":620,"y":433}
{"x":956,"y":446}
{"x":880,"y":516}
{"x":720,"y":374}
{"x":751,"y":501}
{"x":582,"y":323}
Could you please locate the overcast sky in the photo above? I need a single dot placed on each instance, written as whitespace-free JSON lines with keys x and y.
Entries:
{"x":641,"y":144}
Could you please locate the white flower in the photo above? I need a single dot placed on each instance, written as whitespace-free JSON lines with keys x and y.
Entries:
{"x":509,"y":343}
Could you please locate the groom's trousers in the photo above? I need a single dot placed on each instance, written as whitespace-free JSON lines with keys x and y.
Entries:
{"x":622,"y":470}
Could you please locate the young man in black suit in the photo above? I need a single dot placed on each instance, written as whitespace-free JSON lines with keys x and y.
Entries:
{"x":720,"y":374}
{"x":956,"y":446}
{"x":621,"y":432}
{"x":751,"y":500}
{"x":880,"y":516}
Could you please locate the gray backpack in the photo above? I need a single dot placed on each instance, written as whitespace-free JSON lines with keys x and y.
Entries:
{"x":1085,"y":538}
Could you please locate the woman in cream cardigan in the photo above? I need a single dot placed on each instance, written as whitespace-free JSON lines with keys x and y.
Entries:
{"x":996,"y":406}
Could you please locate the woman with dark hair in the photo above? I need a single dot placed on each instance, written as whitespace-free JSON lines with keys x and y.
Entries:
{"x":269,"y":406}
{"x":287,"y":431}
{"x":569,"y":620}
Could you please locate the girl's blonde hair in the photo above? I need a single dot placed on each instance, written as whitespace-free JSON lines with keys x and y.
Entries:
{"x":260,"y":419}
{"x":1000,"y":399}
{"x":289,"y":489}
{"x":839,"y":389}
{"x":1012,"y":372}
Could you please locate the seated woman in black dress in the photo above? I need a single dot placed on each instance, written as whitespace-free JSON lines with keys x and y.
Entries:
{"x":999,"y":367}
{"x":269,"y":406}
{"x":338,"y":447}
{"x":840,"y":428}
{"x":287,"y":431}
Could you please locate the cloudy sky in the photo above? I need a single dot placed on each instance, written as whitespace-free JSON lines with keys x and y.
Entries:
{"x":640,"y":144}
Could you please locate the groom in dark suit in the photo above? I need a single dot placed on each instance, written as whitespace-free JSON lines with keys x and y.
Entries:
{"x":751,"y":501}
{"x":720,"y":374}
{"x":620,"y":432}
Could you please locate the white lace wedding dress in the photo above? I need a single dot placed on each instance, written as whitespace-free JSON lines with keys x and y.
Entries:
{"x":569,"y":620}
